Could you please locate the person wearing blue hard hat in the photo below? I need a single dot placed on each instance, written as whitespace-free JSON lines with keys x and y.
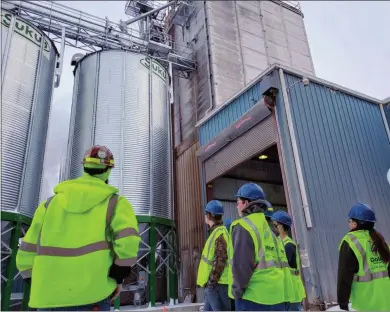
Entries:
{"x":364,"y":270}
{"x":228,"y":222}
{"x":255,"y":283}
{"x":282,"y":223}
{"x":213,"y":267}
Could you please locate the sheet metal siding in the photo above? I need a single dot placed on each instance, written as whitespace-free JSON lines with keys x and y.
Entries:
{"x":190,"y":218}
{"x":231,"y":113}
{"x":119,"y":105}
{"x":245,"y":37}
{"x":192,"y":96}
{"x":25,"y":105}
{"x":345,"y":155}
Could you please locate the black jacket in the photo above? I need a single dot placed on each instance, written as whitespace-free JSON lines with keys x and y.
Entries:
{"x":348,"y":267}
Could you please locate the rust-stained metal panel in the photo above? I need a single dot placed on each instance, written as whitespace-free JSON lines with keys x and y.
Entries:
{"x":192,"y":96}
{"x":190,"y":219}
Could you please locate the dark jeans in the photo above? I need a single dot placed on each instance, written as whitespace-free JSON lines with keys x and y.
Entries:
{"x":246,"y":305}
{"x":103,"y":305}
{"x":294,"y":306}
{"x":216,"y":299}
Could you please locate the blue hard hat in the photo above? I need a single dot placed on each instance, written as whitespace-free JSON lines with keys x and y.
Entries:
{"x":269,"y":212}
{"x":214,"y":207}
{"x":228,"y":223}
{"x":282,"y":217}
{"x":251,"y":191}
{"x":362,"y":212}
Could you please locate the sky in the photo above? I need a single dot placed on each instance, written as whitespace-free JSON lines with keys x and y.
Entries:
{"x":348,"y":41}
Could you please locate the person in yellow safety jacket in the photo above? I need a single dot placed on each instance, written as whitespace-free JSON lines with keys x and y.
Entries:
{"x":256,"y":277}
{"x":364,"y":270}
{"x":282,"y":223}
{"x":82,"y":241}
{"x":213,"y":267}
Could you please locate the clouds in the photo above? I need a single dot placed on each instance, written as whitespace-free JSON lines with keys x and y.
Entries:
{"x":349,"y":43}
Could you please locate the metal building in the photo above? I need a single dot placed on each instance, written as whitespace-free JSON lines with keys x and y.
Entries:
{"x":120,"y":100}
{"x":317,"y":148}
{"x":234,"y":41}
{"x":29,"y":60}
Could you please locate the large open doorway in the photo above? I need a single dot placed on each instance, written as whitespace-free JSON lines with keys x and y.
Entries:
{"x":263,"y":169}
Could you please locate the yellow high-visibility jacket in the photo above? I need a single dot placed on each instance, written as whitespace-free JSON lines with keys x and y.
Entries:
{"x":74,"y":240}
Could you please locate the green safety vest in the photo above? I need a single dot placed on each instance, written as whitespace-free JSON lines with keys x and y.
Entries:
{"x":72,"y":242}
{"x":268,"y":282}
{"x":298,"y":289}
{"x":206,"y":262}
{"x":371,"y":284}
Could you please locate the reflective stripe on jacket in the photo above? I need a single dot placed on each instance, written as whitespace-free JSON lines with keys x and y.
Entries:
{"x":206,"y":261}
{"x":298,"y":290}
{"x":370,"y":287}
{"x":267,"y":284}
{"x":72,"y":243}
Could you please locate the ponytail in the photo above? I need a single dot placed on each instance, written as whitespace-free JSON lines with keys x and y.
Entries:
{"x":380,"y":246}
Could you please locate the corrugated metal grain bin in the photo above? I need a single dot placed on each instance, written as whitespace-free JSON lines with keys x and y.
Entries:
{"x":190,"y":219}
{"x":29,"y":60}
{"x":328,"y":148}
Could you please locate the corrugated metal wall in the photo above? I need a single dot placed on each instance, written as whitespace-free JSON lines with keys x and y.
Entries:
{"x":245,"y":37}
{"x":190,"y":218}
{"x":345,"y":154}
{"x":229,"y":114}
{"x":192,"y":96}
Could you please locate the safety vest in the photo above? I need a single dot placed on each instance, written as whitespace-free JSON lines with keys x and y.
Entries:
{"x":68,"y":254}
{"x":267,"y":284}
{"x":371,"y":284}
{"x":206,"y":262}
{"x":297,"y":286}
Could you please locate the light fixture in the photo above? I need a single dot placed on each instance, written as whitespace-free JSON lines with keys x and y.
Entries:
{"x":263,"y":157}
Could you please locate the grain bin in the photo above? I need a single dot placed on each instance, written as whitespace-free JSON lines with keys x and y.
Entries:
{"x":120,"y":103}
{"x":27,"y":74}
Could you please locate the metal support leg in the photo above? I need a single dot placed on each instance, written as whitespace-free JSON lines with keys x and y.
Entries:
{"x":11,"y":268}
{"x":172,"y":270}
{"x":152,"y":264}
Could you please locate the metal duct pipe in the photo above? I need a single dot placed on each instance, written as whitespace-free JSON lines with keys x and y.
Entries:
{"x":135,"y":19}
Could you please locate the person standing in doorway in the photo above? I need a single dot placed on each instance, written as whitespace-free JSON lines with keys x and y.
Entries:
{"x":213,"y":267}
{"x":282,"y":223}
{"x":364,"y":270}
{"x":81,"y":243}
{"x":256,"y":280}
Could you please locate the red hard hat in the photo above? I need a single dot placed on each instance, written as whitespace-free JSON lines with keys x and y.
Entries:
{"x":99,"y":155}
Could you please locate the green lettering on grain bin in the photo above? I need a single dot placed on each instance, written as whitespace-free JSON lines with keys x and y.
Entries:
{"x":156,"y":68}
{"x":26,"y":31}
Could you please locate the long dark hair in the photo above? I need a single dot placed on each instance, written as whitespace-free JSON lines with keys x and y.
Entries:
{"x":379,"y":245}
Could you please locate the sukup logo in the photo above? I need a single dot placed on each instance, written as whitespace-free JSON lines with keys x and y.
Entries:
{"x":25,"y":30}
{"x":157,"y":69}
